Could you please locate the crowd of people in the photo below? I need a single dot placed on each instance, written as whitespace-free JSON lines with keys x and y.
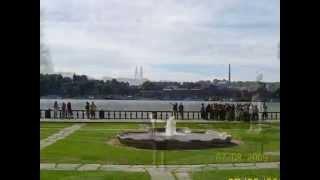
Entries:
{"x":214,"y":111}
{"x":66,"y":110}
{"x":91,"y":110}
{"x":226,"y":111}
{"x":231,"y":111}
{"x":178,"y":109}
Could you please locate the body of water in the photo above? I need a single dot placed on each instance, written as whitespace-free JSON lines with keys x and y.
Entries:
{"x":138,"y":105}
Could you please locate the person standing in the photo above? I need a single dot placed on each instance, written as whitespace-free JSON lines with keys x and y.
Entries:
{"x":202,"y":111}
{"x":55,"y":110}
{"x":250,"y":112}
{"x":241,"y":112}
{"x":63,"y":109}
{"x":175,"y":110}
{"x":265,"y":110}
{"x":226,"y":110}
{"x":69,"y":110}
{"x":223,"y":112}
{"x":247,"y":114}
{"x":256,"y":112}
{"x":181,"y":110}
{"x":208,"y":108}
{"x":87,"y":108}
{"x":218,"y":111}
{"x":93,"y":109}
{"x":236,"y":112}
{"x":212,"y":112}
{"x":233,"y":112}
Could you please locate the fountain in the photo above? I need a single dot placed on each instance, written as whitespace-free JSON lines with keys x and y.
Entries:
{"x":171,"y":137}
{"x":170,"y":127}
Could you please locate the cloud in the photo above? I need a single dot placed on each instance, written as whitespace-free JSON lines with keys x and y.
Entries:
{"x":106,"y":38}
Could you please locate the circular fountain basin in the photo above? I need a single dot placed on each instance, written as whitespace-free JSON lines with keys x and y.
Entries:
{"x":157,"y":139}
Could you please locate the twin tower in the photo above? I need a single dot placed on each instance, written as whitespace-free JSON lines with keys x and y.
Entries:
{"x":138,"y":74}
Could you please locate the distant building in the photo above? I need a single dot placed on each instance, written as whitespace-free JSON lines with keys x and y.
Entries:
{"x":137,"y":80}
{"x":132,"y":82}
{"x":66,"y":74}
{"x":107,"y":78}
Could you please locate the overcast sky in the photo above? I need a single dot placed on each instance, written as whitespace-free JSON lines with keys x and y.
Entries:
{"x":182,"y":40}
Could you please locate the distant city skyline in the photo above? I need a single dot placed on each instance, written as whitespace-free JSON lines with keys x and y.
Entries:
{"x":173,"y":40}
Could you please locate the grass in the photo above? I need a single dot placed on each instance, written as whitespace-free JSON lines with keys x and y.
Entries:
{"x":260,"y":174}
{"x":90,"y":145}
{"x":47,"y":129}
{"x":92,"y":175}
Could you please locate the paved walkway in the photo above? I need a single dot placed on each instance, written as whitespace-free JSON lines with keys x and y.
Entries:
{"x":183,"y":176}
{"x":159,"y":172}
{"x":145,"y":121}
{"x":59,"y":135}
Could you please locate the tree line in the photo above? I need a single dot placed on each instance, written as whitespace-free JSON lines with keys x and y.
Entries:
{"x":79,"y":86}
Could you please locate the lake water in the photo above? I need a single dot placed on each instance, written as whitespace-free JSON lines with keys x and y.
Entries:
{"x":143,"y":105}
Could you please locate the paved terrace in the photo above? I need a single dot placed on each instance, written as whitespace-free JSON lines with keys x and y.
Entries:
{"x":146,"y":121}
{"x":161,"y":172}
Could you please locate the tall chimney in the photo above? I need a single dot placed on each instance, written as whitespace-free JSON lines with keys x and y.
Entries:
{"x":229,"y":73}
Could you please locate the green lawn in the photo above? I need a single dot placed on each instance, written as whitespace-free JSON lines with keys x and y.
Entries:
{"x":260,"y":174}
{"x":47,"y":129}
{"x":91,"y":144}
{"x":92,"y":175}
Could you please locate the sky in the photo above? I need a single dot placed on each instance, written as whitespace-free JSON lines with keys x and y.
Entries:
{"x":174,"y":40}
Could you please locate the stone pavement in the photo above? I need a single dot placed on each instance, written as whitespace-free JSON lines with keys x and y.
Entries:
{"x":59,"y":135}
{"x":159,"y":172}
{"x":183,"y":176}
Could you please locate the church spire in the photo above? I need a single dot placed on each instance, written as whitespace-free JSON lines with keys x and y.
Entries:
{"x":141,"y":73}
{"x":136,"y":73}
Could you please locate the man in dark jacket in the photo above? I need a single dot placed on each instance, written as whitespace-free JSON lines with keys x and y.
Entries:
{"x":63,"y":109}
{"x":202,"y":111}
{"x":87,"y":110}
{"x":181,"y":110}
{"x":175,"y":110}
{"x":55,"y":110}
{"x":69,"y":110}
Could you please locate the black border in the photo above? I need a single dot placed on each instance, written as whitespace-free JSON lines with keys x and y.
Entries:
{"x":20,"y":127}
{"x":299,"y":79}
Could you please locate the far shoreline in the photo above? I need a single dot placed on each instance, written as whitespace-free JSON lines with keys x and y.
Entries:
{"x":140,"y":99}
